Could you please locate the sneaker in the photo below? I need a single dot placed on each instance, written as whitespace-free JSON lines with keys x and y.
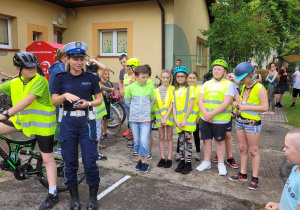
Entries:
{"x":101,"y":157}
{"x":205,"y":165}
{"x":293,"y":105}
{"x":187,"y":168}
{"x":130,"y":145}
{"x":177,"y":156}
{"x":149,"y":157}
{"x":232,"y":163}
{"x":198,"y":156}
{"x":239,"y":176}
{"x":50,"y":201}
{"x":215,"y":159}
{"x":129,"y":138}
{"x":222,"y":169}
{"x":144,"y":168}
{"x":180,"y":166}
{"x":280,"y":106}
{"x":105,"y":137}
{"x":57,"y":151}
{"x":135,"y":154}
{"x":161,"y":163}
{"x":168,"y":163}
{"x":126,"y":133}
{"x":138,"y":166}
{"x":254,"y":184}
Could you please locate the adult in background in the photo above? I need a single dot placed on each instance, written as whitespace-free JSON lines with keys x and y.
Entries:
{"x":282,"y":83}
{"x":257,"y":76}
{"x":6,"y":75}
{"x":178,"y":63}
{"x":296,"y":89}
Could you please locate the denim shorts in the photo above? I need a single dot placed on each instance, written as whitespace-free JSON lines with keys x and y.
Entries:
{"x":248,"y":128}
{"x":140,"y":132}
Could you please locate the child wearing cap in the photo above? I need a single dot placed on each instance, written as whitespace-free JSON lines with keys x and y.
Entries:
{"x":253,"y":100}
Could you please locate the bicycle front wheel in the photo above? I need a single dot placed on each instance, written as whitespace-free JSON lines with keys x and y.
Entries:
{"x":114,"y":123}
{"x":60,"y":186}
{"x":121,"y":110}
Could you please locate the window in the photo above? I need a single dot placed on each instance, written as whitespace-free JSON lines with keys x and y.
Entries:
{"x":5,"y":32}
{"x":37,"y":36}
{"x":113,"y":43}
{"x":199,"y":53}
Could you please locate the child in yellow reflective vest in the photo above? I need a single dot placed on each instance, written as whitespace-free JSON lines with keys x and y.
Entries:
{"x":183,"y":102}
{"x":192,"y":81}
{"x":164,"y":117}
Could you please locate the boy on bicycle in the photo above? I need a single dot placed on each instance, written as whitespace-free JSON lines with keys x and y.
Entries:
{"x":33,"y":113}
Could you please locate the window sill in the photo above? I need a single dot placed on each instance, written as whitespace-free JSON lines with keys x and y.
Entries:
{"x":7,"y":49}
{"x":109,"y":56}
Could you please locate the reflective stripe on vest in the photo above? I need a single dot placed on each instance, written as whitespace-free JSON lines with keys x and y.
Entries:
{"x":212,"y":99}
{"x":161,"y":108}
{"x":37,"y":118}
{"x":190,"y":124}
{"x":253,"y":100}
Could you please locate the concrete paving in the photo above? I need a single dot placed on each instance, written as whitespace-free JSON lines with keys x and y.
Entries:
{"x":163,"y":186}
{"x":279,"y":116}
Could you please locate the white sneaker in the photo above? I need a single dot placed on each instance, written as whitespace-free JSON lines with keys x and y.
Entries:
{"x":177,"y":156}
{"x":198,"y":156}
{"x":205,"y":165}
{"x":222,"y":170}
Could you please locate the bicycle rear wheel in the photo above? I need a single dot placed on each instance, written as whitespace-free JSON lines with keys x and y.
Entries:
{"x":60,"y":186}
{"x":114,"y":123}
{"x":154,"y":127}
{"x":121,"y":110}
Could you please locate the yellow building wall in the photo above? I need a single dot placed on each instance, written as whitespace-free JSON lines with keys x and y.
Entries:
{"x":144,"y":32}
{"x":28,"y":16}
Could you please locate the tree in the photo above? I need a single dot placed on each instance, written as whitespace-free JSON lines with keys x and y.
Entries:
{"x":239,"y":32}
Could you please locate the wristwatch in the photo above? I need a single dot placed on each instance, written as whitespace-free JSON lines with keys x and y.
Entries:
{"x":5,"y":113}
{"x":90,"y":104}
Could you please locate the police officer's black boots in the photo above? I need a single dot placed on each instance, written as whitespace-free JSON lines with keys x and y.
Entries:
{"x":75,"y":203}
{"x":93,"y":203}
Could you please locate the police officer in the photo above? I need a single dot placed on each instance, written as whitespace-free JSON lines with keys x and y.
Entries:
{"x":75,"y":88}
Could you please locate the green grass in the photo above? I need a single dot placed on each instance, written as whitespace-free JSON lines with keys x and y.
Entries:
{"x":292,"y":113}
{"x":2,"y":174}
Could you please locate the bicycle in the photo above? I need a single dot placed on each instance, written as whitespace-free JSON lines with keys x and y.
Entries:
{"x":115,"y":101}
{"x":34,"y":168}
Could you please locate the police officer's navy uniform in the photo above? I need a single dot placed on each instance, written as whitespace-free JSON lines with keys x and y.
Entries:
{"x":76,"y":127}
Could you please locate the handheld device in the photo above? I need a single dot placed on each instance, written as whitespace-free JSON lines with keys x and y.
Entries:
{"x":78,"y":103}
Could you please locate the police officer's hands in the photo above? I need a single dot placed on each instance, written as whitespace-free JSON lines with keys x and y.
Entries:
{"x":83,"y":105}
{"x":70,"y":97}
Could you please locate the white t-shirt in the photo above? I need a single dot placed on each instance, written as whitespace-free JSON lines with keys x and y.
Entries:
{"x":297,"y":80}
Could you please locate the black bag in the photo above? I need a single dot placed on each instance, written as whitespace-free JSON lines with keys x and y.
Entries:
{"x":276,"y":89}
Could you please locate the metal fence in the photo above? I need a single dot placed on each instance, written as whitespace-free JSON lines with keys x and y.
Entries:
{"x":199,"y":63}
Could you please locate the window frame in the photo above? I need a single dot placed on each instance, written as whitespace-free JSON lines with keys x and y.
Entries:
{"x":115,"y":42}
{"x":199,"y":53}
{"x":9,"y":46}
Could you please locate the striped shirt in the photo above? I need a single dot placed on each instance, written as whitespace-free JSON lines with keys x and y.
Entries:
{"x":163,"y":93}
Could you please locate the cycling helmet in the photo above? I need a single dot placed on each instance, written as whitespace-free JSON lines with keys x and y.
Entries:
{"x":25,"y":59}
{"x":242,"y":70}
{"x":92,"y":67}
{"x":180,"y":69}
{"x":133,"y":62}
{"x":220,"y":62}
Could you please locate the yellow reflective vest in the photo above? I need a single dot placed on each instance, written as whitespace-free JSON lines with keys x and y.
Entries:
{"x":127,"y":79}
{"x":253,"y":100}
{"x":101,"y":110}
{"x":182,"y":107}
{"x":35,"y":119}
{"x":213,"y":98}
{"x":161,"y":108}
{"x":196,"y":109}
